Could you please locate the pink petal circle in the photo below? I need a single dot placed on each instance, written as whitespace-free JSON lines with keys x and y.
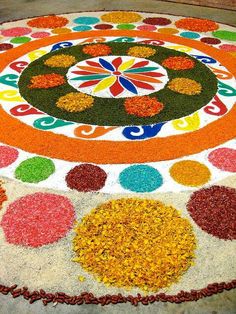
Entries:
{"x":7,"y":156}
{"x":223,"y":159}
{"x":16,"y":31}
{"x":38,"y":219}
{"x":40,"y":35}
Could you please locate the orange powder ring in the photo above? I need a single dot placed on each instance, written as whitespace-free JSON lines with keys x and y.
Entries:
{"x":17,"y":134}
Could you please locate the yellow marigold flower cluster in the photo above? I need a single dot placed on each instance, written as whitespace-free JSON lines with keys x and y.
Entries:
{"x":141,"y":52}
{"x":121,"y":17}
{"x":132,"y":242}
{"x":75,"y":102}
{"x":185,"y":86}
{"x":62,"y":61}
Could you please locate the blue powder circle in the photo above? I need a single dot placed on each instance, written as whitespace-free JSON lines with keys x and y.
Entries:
{"x":140,"y":178}
{"x":190,"y":35}
{"x":86,"y":20}
{"x":81,"y":28}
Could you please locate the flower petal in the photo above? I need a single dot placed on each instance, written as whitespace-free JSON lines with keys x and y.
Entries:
{"x":93,"y":64}
{"x":105,"y":83}
{"x":145,"y":69}
{"x":90,"y":77}
{"x":126,"y":65}
{"x":116,"y":89}
{"x":89,"y":83}
{"x":83,"y":73}
{"x":142,"y":85}
{"x":140,"y":64}
{"x":106,"y":64}
{"x":92,"y":69}
{"x":128,"y":85}
{"x":117,"y":62}
{"x":144,"y":78}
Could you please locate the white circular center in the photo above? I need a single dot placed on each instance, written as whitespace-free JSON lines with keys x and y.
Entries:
{"x":117,"y":76}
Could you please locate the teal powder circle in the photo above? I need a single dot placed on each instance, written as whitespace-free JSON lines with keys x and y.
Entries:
{"x":190,"y":35}
{"x":86,"y":20}
{"x":34,"y":170}
{"x":140,"y":178}
{"x":81,"y":28}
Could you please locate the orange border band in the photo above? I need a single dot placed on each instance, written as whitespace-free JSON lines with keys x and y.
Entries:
{"x":18,"y":134}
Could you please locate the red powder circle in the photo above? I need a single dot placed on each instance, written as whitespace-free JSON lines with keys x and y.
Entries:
{"x":3,"y":196}
{"x":16,"y":31}
{"x":4,"y":47}
{"x":103,"y":26}
{"x":214,"y":211}
{"x":38,"y":219}
{"x":7,"y":156}
{"x":157,"y":21}
{"x":40,"y":35}
{"x":210,"y":40}
{"x":86,"y":177}
{"x":223,"y":158}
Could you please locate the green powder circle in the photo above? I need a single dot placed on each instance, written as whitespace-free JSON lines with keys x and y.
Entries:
{"x":225,"y":35}
{"x":20,"y":40}
{"x":34,"y":170}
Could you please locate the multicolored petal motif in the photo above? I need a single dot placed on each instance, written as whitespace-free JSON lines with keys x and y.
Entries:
{"x":118,"y":75}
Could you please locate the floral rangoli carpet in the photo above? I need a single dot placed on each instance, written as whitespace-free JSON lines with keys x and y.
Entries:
{"x":117,"y":158}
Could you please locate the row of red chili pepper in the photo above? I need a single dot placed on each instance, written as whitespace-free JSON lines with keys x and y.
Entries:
{"x":89,"y":298}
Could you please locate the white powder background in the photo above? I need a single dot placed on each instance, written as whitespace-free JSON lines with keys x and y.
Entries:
{"x":50,"y":266}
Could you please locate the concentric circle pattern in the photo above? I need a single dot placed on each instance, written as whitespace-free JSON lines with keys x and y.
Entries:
{"x":117,"y":158}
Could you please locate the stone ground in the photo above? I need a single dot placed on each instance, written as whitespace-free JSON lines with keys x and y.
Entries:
{"x":224,"y":303}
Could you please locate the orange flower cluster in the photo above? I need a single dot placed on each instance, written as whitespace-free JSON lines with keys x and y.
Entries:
{"x":97,"y":50}
{"x":178,"y":63}
{"x":197,"y":25}
{"x":131,"y":242}
{"x":46,"y":80}
{"x":52,"y":21}
{"x":143,"y":106}
{"x":185,"y":86}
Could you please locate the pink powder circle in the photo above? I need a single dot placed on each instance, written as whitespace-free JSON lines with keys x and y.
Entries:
{"x":38,"y":219}
{"x":7,"y":156}
{"x":40,"y":35}
{"x":227,"y":47}
{"x":147,"y":27}
{"x":16,"y":31}
{"x":223,"y":159}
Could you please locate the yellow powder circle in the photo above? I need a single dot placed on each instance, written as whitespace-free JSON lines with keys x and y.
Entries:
{"x":185,"y":86}
{"x":121,"y":17}
{"x":62,"y":30}
{"x":62,"y":61}
{"x":141,"y":52}
{"x":167,"y":30}
{"x":190,"y":173}
{"x":132,"y":242}
{"x":75,"y":102}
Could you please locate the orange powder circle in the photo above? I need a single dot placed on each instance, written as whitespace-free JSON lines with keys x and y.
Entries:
{"x":52,"y":21}
{"x":197,"y":25}
{"x":168,"y":30}
{"x":62,"y":30}
{"x":178,"y":63}
{"x":190,"y":173}
{"x":97,"y":50}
